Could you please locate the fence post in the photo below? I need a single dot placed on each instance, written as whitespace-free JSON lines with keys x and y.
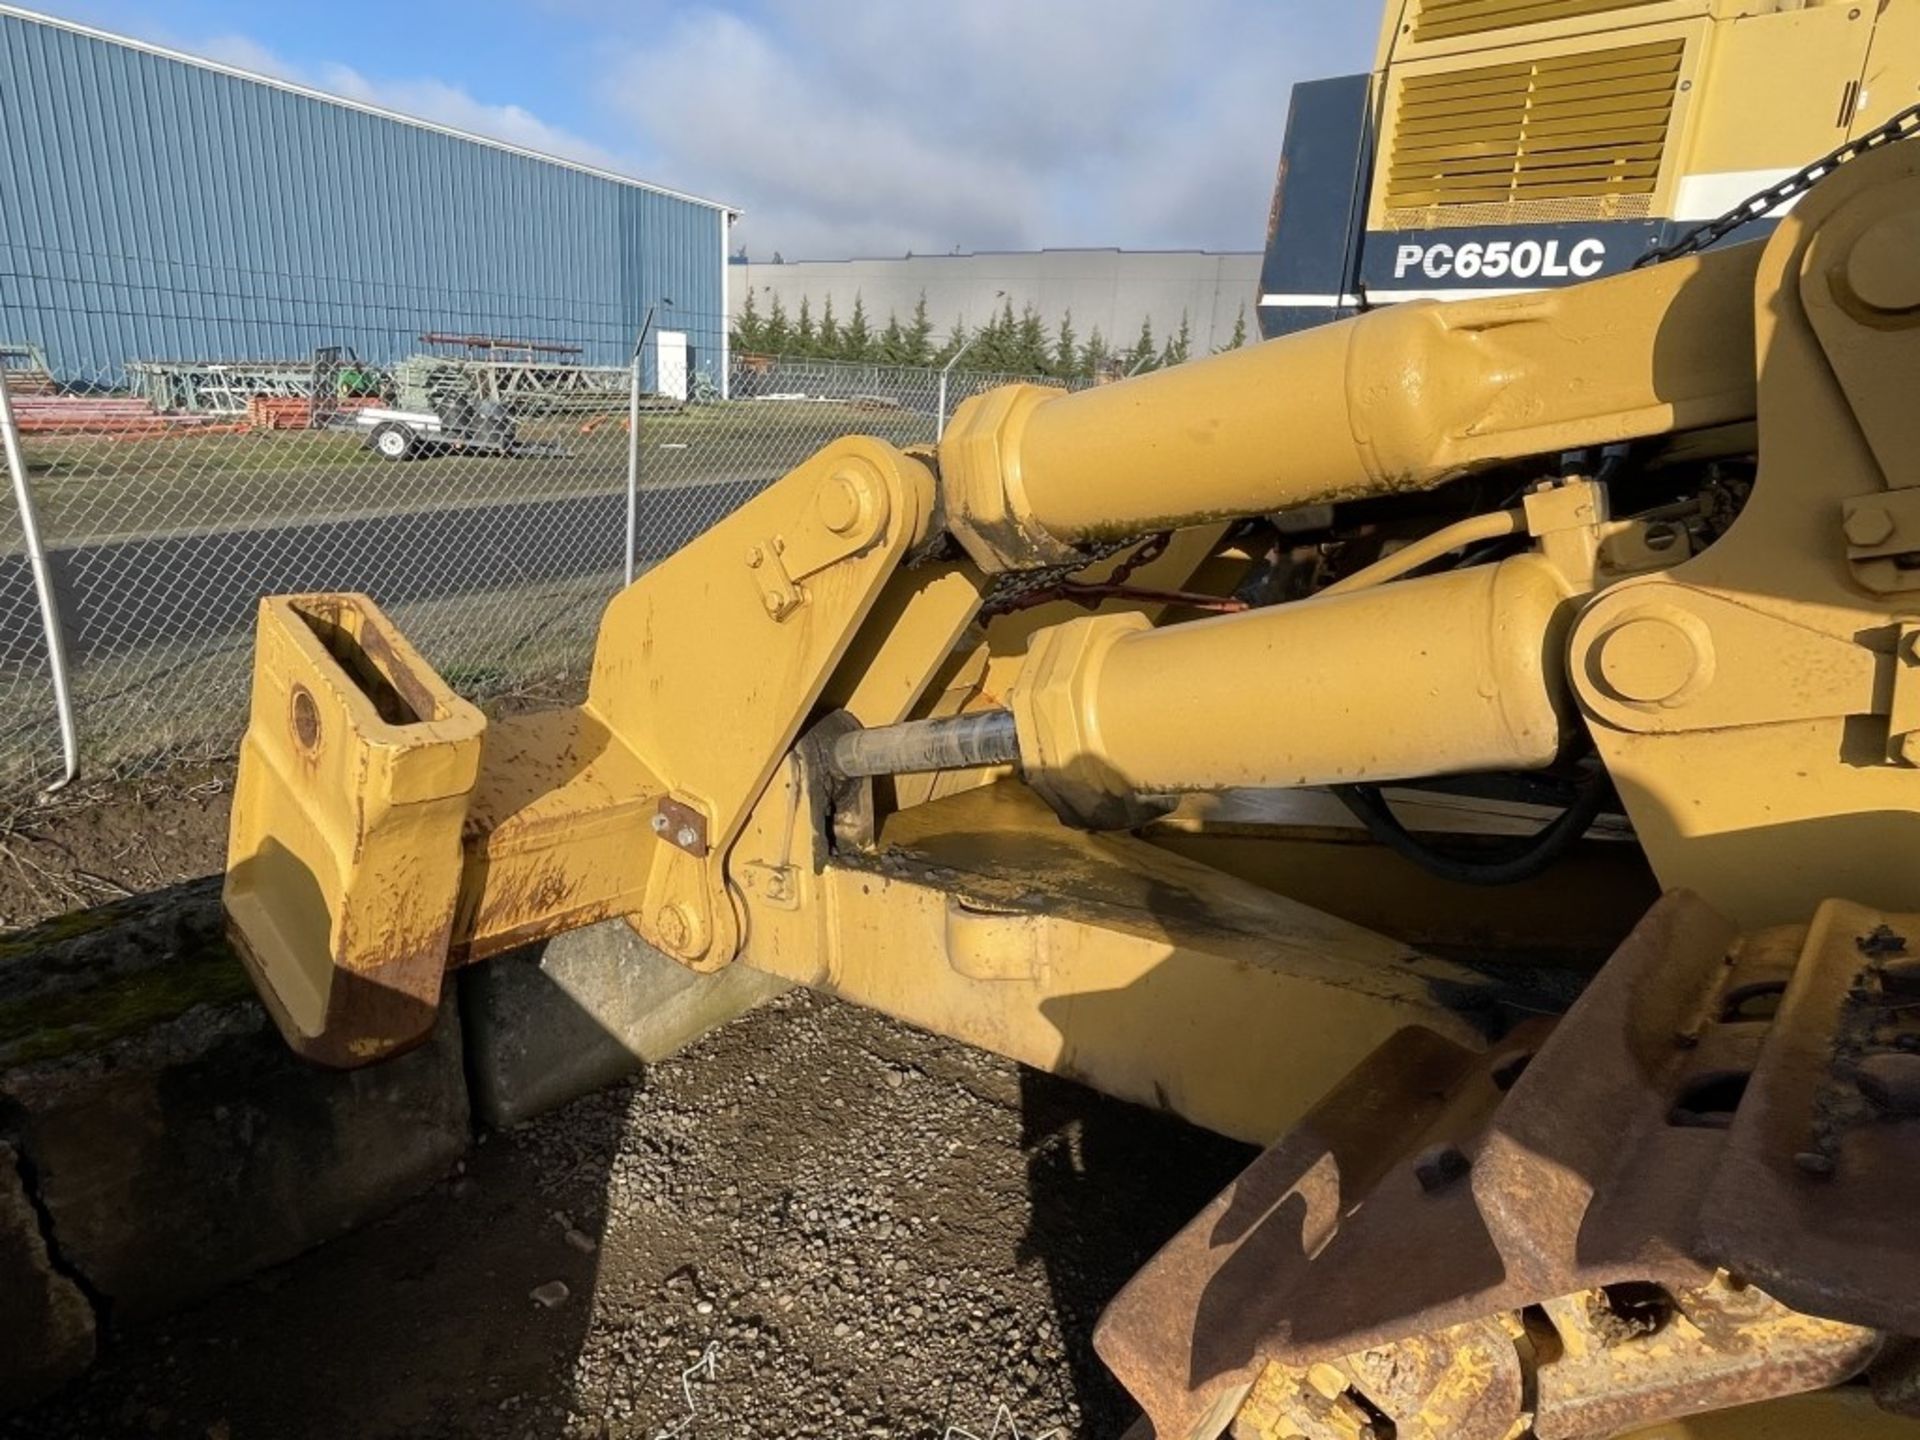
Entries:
{"x":633,"y":442}
{"x":940,"y":425}
{"x":43,"y":589}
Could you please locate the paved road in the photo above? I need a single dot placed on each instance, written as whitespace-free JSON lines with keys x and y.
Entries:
{"x":130,"y":594}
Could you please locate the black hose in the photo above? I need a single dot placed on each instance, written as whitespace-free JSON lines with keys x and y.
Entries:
{"x":1522,"y":859}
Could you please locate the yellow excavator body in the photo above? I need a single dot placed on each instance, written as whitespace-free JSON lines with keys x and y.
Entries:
{"x":1019,"y":739}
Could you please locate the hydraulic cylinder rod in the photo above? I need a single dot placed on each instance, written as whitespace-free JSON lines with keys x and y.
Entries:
{"x":959,"y":742}
{"x":1403,"y":398}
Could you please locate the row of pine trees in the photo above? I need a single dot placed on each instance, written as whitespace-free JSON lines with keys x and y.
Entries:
{"x":1010,"y":344}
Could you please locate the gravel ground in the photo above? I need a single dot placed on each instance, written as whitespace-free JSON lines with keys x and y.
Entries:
{"x":873,"y":1233}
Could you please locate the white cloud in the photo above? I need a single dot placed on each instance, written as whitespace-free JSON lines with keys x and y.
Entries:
{"x":243,"y":53}
{"x":874,"y":127}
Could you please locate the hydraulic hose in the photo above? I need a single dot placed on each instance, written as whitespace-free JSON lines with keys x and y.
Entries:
{"x":1497,"y":526}
{"x":1509,"y":864}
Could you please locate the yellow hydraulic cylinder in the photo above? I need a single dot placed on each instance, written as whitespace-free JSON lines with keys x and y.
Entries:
{"x":1446,"y":675}
{"x":1400,"y":399}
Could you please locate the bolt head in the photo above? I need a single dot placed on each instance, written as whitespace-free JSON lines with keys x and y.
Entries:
{"x":685,"y":837}
{"x":772,"y":603}
{"x":659,"y":823}
{"x":1869,"y":524}
{"x":756,"y":557}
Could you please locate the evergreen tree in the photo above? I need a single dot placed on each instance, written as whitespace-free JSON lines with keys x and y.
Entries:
{"x":919,"y":337}
{"x":777,"y":338}
{"x":1179,"y":347}
{"x":749,"y":329}
{"x":1143,"y":353}
{"x":1030,"y":355}
{"x":1095,"y":360}
{"x":893,"y":343}
{"x":856,"y":342}
{"x":805,"y":342}
{"x":1066,"y":350}
{"x":956,"y":339}
{"x":982,"y":353}
{"x":829,"y":331}
{"x":1239,"y":336}
{"x":995,"y":348}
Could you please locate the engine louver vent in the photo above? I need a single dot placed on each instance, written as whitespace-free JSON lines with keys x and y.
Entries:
{"x":1566,"y":137}
{"x":1443,"y":19}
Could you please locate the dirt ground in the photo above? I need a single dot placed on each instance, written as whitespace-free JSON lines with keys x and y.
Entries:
{"x":882,"y":1234}
{"x":878,"y":1233}
{"x":102,"y":841}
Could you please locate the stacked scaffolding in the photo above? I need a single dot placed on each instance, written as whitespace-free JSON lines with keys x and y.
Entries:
{"x":206,"y":387}
{"x":527,"y":385}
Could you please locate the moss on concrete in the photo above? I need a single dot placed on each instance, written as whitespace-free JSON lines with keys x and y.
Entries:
{"x":87,"y":979}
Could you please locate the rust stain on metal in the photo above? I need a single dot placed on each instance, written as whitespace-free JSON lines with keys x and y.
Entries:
{"x":1835,"y":1086}
{"x":682,"y":826}
{"x":1461,"y":1246}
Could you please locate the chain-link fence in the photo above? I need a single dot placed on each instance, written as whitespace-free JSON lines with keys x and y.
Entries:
{"x":484,"y":490}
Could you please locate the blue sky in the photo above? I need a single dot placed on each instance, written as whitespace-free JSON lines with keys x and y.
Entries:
{"x":841,"y":127}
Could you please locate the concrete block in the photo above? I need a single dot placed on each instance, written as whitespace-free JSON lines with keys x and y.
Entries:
{"x":556,"y":1021}
{"x":176,"y":1144}
{"x":46,"y":1324}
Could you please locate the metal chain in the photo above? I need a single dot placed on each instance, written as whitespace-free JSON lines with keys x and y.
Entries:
{"x":1757,"y":206}
{"x":1012,"y":585}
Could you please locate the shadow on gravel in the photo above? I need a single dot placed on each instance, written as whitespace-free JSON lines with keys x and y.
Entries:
{"x":877,"y":1232}
{"x":422,"y":1324}
{"x":1109,"y":1184}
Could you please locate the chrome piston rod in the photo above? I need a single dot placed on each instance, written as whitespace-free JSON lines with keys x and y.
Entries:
{"x":959,"y":742}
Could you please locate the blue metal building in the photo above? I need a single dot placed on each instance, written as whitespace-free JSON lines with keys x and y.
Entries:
{"x":154,"y":206}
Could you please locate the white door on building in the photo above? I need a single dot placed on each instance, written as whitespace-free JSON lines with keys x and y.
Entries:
{"x":670,"y":364}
